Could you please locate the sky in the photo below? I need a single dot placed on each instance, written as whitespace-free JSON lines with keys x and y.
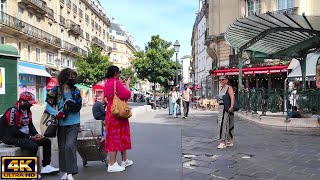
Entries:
{"x":171,"y":19}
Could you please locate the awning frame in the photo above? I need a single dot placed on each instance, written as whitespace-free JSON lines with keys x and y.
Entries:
{"x":270,"y":36}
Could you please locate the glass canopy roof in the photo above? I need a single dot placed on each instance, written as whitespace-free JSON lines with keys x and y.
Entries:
{"x":275,"y":35}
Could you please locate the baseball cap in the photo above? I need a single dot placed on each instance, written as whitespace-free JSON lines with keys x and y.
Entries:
{"x":28,"y":96}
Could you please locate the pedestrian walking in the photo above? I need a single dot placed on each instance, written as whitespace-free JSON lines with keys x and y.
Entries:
{"x":175,"y":99}
{"x":117,"y":130}
{"x":66,"y":97}
{"x":224,"y":129}
{"x":18,"y":130}
{"x":186,"y":97}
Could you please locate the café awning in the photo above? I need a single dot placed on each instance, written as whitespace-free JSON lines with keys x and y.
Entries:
{"x":251,"y":71}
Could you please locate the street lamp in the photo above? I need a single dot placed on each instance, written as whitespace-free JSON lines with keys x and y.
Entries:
{"x":176,"y":46}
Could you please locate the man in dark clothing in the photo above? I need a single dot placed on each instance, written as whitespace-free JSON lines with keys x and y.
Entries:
{"x":18,"y":130}
{"x":98,"y":109}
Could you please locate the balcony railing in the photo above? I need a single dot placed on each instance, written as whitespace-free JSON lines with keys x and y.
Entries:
{"x":69,"y":4}
{"x":40,"y":5}
{"x":50,"y":13}
{"x":62,"y":2}
{"x":75,"y":28}
{"x":63,"y":21}
{"x":290,"y":11}
{"x":98,"y":42}
{"x":73,"y":48}
{"x":233,"y":60}
{"x":28,"y":29}
{"x":75,"y":8}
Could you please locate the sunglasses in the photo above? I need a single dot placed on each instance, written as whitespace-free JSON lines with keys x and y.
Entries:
{"x":222,"y":79}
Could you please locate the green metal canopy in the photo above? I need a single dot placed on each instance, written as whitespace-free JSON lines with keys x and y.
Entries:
{"x":273,"y":36}
{"x":83,"y":87}
{"x":8,"y":50}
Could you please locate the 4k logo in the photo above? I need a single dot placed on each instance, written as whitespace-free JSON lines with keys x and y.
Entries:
{"x":19,"y":167}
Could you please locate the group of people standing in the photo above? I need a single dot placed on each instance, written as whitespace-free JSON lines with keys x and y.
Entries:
{"x":180,"y":99}
{"x":64,"y":103}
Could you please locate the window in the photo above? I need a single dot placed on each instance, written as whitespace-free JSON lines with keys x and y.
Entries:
{"x":63,"y":62}
{"x":38,"y":55}
{"x":2,"y":40}
{"x":3,"y":5}
{"x":284,"y":4}
{"x":29,"y":53}
{"x":68,"y":63}
{"x":50,"y":57}
{"x":20,"y":12}
{"x":30,"y":17}
{"x":254,"y":6}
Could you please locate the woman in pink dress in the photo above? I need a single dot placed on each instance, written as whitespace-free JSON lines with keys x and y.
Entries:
{"x":117,"y":130}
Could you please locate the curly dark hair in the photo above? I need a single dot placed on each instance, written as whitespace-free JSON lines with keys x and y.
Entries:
{"x":65,"y":74}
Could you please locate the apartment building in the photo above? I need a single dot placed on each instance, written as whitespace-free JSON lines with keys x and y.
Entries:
{"x":48,"y":35}
{"x":122,"y":45}
{"x":219,"y":15}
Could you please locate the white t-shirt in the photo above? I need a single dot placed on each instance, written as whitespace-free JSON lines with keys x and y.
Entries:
{"x":175,"y":96}
{"x":25,"y":123}
{"x":186,"y":96}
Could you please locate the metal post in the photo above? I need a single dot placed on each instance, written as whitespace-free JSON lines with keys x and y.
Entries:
{"x":176,"y":68}
{"x":240,"y":72}
{"x":303,"y":66}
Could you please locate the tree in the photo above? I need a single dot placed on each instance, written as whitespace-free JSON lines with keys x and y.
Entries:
{"x":93,"y":67}
{"x":155,"y":64}
{"x":129,"y":72}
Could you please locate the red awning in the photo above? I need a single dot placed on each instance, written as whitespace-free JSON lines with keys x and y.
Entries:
{"x":51,"y":82}
{"x":250,"y":71}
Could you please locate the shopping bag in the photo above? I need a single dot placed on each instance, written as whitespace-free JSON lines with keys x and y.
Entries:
{"x":48,"y":125}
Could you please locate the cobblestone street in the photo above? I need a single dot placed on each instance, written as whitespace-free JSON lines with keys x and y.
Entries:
{"x":258,"y":153}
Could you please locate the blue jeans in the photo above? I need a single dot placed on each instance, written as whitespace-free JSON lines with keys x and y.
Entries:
{"x":175,"y":109}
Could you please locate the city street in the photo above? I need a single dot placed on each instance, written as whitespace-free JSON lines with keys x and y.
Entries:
{"x":166,"y":148}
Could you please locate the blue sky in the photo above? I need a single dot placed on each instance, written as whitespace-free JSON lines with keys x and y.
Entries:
{"x":171,"y":19}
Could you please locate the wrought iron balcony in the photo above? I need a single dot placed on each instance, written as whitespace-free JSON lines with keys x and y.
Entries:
{"x":50,"y":13}
{"x":62,"y":2}
{"x":28,"y":29}
{"x":63,"y":21}
{"x":74,"y":28}
{"x":69,"y":4}
{"x":98,"y":42}
{"x":290,"y":11}
{"x":39,"y":5}
{"x":100,"y":13}
{"x":73,"y":48}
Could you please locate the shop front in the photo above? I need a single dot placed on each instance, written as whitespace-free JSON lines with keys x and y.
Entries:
{"x":32,"y":78}
{"x":256,"y":77}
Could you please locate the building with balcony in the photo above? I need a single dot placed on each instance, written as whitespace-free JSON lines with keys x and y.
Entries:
{"x":219,"y":15}
{"x":49,"y":35}
{"x":121,"y":46}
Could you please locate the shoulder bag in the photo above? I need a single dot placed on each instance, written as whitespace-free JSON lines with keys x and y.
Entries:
{"x":227,"y":102}
{"x":120,"y":109}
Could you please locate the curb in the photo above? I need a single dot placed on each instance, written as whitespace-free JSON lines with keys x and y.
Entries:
{"x":304,"y":125}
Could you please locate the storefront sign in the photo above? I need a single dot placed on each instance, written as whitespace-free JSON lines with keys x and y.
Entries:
{"x":2,"y":80}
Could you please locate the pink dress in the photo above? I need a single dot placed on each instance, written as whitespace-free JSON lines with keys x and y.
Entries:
{"x":117,"y":130}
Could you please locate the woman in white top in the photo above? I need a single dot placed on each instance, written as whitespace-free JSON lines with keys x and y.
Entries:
{"x":174,"y":99}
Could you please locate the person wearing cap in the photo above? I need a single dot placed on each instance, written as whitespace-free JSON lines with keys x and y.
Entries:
{"x":225,"y":121}
{"x":18,"y":130}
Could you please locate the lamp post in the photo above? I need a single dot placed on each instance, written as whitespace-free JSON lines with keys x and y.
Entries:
{"x":176,"y":46}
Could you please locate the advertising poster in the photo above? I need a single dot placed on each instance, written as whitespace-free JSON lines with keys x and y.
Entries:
{"x":2,"y":81}
{"x":318,"y":74}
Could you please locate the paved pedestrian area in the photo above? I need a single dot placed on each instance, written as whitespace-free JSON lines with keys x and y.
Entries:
{"x":258,"y":153}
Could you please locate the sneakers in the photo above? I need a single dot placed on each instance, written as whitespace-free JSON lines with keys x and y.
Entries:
{"x":126,"y":163}
{"x":49,"y":169}
{"x":64,"y":177}
{"x":115,"y":168}
{"x":221,"y":146}
{"x":229,"y":144}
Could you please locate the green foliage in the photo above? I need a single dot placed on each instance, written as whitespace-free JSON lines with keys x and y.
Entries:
{"x":93,"y":67}
{"x":155,"y":64}
{"x":129,"y":72}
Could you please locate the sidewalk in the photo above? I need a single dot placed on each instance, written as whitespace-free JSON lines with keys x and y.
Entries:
{"x":258,"y":153}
